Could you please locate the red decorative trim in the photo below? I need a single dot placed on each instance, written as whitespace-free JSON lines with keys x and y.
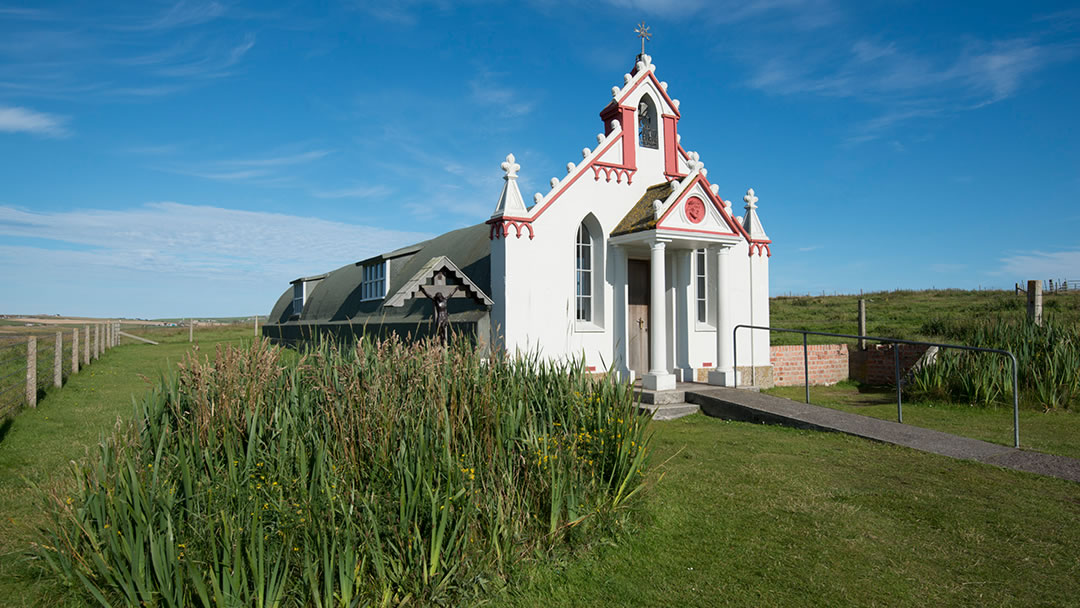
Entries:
{"x":671,"y":164}
{"x":717,"y":204}
{"x":500,"y":227}
{"x":674,"y":176}
{"x":591,"y":368}
{"x":656,"y":83}
{"x":619,"y":171}
{"x":696,"y":231}
{"x":759,"y":247}
{"x":580,"y":170}
{"x":695,"y":210}
{"x":707,"y":364}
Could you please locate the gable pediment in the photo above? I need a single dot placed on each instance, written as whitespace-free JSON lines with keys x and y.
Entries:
{"x":693,"y":208}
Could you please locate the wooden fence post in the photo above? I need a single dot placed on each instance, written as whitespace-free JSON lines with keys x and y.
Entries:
{"x":97,"y":341}
{"x":86,"y":346}
{"x":862,"y":323}
{"x":58,"y":361}
{"x":191,"y":330}
{"x":31,"y":371}
{"x":1034,"y":301}
{"x":75,"y":351}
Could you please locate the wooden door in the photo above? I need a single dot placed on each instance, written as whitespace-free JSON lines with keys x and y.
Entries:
{"x":637,"y":316}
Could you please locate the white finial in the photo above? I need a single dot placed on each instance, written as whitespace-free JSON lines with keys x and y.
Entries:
{"x":678,"y":138}
{"x":570,"y":167}
{"x":510,"y":167}
{"x":615,"y":91}
{"x":727,"y":204}
{"x":751,"y":200}
{"x":657,"y":206}
{"x":585,"y":152}
{"x":554,"y":182}
{"x":663,"y":85}
{"x":704,"y":172}
{"x":627,"y":78}
{"x":538,"y":197}
{"x":675,"y":102}
{"x":715,"y":189}
{"x":614,"y":124}
{"x":600,"y":138}
{"x":692,"y":161}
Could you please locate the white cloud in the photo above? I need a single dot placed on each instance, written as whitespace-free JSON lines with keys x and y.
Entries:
{"x":266,"y":170}
{"x":1042,"y":265}
{"x":903,"y":82}
{"x":14,"y":119}
{"x":170,"y":239}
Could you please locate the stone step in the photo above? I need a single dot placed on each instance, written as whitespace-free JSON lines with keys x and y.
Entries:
{"x":660,"y":397}
{"x":671,"y":411}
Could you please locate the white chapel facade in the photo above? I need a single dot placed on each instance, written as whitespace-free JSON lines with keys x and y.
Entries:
{"x":632,"y":259}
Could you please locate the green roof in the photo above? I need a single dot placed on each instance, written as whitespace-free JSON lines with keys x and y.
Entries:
{"x":336,"y":299}
{"x":641,"y":216}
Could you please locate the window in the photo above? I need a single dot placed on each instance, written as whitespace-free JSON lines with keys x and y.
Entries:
{"x":373,"y":285}
{"x":701,"y":281}
{"x":583,"y":274}
{"x":297,"y":298}
{"x":648,"y":137}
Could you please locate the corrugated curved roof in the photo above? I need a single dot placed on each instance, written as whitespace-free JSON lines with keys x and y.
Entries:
{"x":337,"y":297}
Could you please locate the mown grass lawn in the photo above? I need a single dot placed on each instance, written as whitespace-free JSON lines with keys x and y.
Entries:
{"x":1053,"y":432}
{"x":36,"y":446}
{"x":751,"y":515}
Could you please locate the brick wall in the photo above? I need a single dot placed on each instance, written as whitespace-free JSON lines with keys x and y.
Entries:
{"x":875,"y":365}
{"x":828,"y":364}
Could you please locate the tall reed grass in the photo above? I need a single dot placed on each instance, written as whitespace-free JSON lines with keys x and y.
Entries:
{"x":1048,"y":357}
{"x":382,"y":473}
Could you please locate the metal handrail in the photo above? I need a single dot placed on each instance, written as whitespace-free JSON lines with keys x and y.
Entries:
{"x":896,"y":364}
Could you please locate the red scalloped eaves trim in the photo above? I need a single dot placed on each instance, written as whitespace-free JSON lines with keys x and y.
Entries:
{"x":500,"y":227}
{"x":619,"y":171}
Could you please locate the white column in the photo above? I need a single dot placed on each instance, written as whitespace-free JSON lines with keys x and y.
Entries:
{"x":724,"y":374}
{"x":658,"y":378}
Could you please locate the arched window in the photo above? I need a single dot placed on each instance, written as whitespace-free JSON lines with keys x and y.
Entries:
{"x":583,"y":274}
{"x":648,"y":136}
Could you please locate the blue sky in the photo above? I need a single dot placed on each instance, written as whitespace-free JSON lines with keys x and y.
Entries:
{"x":190,"y":158}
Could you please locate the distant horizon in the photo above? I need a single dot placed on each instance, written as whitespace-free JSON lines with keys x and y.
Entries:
{"x":984,"y":288}
{"x":193,"y":156}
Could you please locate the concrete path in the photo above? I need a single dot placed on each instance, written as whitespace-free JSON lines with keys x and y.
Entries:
{"x":751,"y":406}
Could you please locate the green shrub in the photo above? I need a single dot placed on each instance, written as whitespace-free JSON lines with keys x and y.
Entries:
{"x":383,"y":473}
{"x":1048,"y":356}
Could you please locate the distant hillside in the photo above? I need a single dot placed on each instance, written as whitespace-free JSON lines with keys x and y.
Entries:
{"x":905,"y":314}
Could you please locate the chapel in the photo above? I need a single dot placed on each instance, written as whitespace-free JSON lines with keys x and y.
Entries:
{"x":631,"y":261}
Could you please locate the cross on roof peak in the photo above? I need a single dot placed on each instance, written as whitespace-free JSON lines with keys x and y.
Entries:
{"x":642,"y":32}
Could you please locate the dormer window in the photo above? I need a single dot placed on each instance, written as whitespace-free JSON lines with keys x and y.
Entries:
{"x":648,"y":136}
{"x":373,"y":285}
{"x":297,"y":298}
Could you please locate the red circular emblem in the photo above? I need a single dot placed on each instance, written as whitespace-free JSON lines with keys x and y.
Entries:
{"x":695,"y":210}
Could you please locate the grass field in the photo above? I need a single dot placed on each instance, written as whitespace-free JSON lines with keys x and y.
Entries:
{"x":1053,"y":432}
{"x":36,"y":446}
{"x":736,"y":514}
{"x":903,"y":314}
{"x":751,"y":515}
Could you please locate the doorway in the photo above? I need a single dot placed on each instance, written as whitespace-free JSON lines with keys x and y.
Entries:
{"x":637,"y":272}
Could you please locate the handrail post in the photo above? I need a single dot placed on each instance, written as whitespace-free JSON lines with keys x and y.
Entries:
{"x":896,"y":369}
{"x":1016,"y":403}
{"x":734,"y":352}
{"x":806,"y":367}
